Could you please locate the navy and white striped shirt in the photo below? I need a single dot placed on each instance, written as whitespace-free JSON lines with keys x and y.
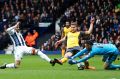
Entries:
{"x":16,"y":38}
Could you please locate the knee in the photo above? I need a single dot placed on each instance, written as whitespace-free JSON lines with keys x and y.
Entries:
{"x":34,"y":51}
{"x":17,"y":64}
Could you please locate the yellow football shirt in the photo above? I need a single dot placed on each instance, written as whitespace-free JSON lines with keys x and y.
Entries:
{"x":73,"y":39}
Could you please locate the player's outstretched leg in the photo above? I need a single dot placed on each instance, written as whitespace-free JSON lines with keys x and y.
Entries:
{"x":11,"y":65}
{"x":45,"y":57}
{"x":58,"y":61}
{"x":113,"y":67}
{"x":52,"y":62}
{"x":3,"y":66}
{"x":108,"y":63}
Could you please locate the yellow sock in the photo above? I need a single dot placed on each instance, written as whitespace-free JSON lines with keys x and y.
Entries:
{"x":63,"y":52}
{"x":64,"y":60}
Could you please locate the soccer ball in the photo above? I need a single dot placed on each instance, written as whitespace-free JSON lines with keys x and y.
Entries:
{"x":80,"y":66}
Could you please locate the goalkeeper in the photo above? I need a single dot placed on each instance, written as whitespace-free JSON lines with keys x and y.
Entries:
{"x":109,"y":52}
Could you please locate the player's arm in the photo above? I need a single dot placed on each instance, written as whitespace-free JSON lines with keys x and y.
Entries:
{"x":82,"y":59}
{"x":82,"y":52}
{"x":91,"y":27}
{"x":60,"y":41}
{"x":13,"y":27}
{"x":85,"y":58}
{"x":63,"y":33}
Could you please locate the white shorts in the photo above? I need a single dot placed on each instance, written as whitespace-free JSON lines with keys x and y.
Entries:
{"x":20,"y":50}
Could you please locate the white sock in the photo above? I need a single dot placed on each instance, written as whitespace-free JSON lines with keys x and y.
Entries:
{"x":11,"y":65}
{"x":43,"y":56}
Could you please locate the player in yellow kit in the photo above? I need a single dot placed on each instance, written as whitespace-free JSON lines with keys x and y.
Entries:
{"x":65,"y":30}
{"x":73,"y":41}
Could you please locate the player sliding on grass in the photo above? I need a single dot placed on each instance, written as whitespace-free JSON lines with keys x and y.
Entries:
{"x":73,"y":38}
{"x":109,"y":52}
{"x":20,"y":48}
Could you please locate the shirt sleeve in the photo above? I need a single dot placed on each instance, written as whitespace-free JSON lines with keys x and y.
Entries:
{"x":82,"y":33}
{"x":11,"y":30}
{"x":86,"y":57}
{"x":82,"y":52}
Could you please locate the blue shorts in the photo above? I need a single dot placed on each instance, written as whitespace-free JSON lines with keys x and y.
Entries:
{"x":109,"y":58}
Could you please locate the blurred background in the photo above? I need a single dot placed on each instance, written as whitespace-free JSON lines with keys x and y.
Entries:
{"x":45,"y":19}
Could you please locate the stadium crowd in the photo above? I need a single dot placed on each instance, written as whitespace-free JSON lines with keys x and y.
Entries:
{"x":31,"y":12}
{"x":107,"y":25}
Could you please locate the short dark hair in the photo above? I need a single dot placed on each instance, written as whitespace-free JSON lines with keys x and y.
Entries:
{"x":74,"y":22}
{"x":89,"y":42}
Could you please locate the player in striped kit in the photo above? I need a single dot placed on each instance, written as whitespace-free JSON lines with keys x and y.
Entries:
{"x":20,"y":48}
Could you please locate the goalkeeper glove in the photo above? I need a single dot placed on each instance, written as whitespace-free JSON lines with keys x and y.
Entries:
{"x":72,"y":62}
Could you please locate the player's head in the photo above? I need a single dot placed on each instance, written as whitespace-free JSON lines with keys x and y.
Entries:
{"x":67,"y":24}
{"x":73,"y":26}
{"x":17,"y":28}
{"x":88,"y":44}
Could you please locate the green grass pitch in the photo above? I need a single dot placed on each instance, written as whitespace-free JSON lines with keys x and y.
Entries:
{"x":33,"y":67}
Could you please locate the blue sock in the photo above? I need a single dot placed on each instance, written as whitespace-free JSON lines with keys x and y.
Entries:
{"x":112,"y":66}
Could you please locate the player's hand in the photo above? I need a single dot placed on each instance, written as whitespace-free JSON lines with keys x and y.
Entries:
{"x":57,"y":43}
{"x":92,"y":20}
{"x":18,"y":24}
{"x":72,"y":62}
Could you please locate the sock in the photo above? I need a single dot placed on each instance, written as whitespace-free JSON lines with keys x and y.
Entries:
{"x":112,"y":66}
{"x":86,"y":64}
{"x":64,"y":60}
{"x":63,"y":52}
{"x":43,"y":56}
{"x":11,"y":65}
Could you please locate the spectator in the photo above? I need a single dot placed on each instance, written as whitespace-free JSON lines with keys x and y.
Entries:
{"x":30,"y":40}
{"x":35,"y":34}
{"x":105,"y":41}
